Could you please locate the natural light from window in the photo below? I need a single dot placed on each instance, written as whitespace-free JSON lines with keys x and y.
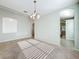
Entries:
{"x":9,"y":25}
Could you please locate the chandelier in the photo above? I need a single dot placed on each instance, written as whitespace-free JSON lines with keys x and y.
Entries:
{"x":35,"y":15}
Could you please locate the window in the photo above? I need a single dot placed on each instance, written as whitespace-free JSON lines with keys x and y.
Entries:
{"x":9,"y":25}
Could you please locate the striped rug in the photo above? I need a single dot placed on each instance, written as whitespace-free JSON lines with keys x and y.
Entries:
{"x":34,"y":49}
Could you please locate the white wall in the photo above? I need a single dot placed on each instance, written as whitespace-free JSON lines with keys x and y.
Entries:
{"x":77,"y":26}
{"x":48,"y":28}
{"x":24,"y":25}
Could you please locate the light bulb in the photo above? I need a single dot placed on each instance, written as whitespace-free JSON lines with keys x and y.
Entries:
{"x":38,"y":16}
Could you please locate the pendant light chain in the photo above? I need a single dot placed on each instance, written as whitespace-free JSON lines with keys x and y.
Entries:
{"x":35,"y":6}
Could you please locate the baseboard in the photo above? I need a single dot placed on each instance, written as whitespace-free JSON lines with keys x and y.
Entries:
{"x":15,"y":39}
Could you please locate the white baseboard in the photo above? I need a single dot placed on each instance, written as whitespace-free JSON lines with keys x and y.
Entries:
{"x":16,"y":38}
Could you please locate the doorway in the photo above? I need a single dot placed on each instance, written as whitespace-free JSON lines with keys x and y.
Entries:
{"x":67,"y":30}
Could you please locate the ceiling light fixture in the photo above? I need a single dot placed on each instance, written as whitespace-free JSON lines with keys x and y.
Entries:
{"x":35,"y":15}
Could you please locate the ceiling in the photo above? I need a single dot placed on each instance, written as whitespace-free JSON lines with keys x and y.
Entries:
{"x":43,"y":6}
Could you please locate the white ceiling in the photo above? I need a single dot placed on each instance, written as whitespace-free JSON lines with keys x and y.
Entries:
{"x":44,"y":6}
